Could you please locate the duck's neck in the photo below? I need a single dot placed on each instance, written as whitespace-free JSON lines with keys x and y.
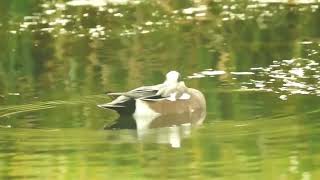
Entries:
{"x":170,"y":82}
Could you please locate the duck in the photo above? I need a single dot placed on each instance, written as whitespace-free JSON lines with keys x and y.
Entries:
{"x":168,"y":98}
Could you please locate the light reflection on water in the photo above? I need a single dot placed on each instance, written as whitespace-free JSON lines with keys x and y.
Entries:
{"x":287,"y":77}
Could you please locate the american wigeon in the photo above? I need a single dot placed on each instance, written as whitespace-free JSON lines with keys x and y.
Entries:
{"x":170,"y":97}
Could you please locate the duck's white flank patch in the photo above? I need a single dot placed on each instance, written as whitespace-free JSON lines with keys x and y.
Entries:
{"x":143,"y":114}
{"x":172,"y":97}
{"x":185,"y":96}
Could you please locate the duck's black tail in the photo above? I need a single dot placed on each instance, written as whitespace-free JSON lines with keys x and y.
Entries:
{"x":123,"y":105}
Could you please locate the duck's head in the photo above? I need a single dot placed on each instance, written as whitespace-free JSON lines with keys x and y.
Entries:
{"x":172,"y":77}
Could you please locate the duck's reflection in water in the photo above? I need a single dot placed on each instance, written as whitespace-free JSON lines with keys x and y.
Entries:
{"x":169,"y":129}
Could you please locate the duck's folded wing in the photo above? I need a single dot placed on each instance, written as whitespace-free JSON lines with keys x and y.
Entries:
{"x":141,"y":92}
{"x":118,"y":102}
{"x":134,"y":94}
{"x":154,"y":97}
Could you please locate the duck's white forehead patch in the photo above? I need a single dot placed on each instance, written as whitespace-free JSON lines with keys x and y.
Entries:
{"x":172,"y":75}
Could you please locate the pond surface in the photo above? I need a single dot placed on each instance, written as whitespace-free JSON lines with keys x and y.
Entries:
{"x":257,"y":62}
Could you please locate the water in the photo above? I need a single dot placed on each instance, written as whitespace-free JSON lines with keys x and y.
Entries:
{"x":257,"y":62}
